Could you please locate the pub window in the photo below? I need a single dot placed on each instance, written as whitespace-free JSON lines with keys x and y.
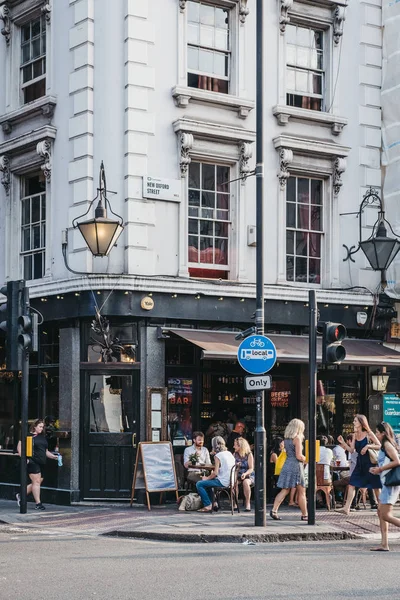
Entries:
{"x":209,"y":220}
{"x":33,"y":59}
{"x":33,"y":226}
{"x":305,"y":67}
{"x":209,"y":46}
{"x":304,"y":229}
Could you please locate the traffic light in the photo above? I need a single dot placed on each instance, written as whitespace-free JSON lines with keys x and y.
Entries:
{"x":11,"y":310}
{"x":28,"y":324}
{"x":332,"y":336}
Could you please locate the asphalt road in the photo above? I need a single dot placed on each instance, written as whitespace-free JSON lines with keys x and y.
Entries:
{"x":36,"y":565}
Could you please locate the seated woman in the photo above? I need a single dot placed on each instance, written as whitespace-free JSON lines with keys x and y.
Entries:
{"x":244,"y":458}
{"x":220,"y":476}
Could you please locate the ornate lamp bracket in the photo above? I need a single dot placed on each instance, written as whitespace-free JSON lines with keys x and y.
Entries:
{"x":46,"y":11}
{"x":186,"y":142}
{"x":182,"y":5}
{"x":284,"y":18}
{"x":5,"y":17}
{"x":44,"y":150}
{"x":285,"y":158}
{"x":5,"y":169}
{"x":243,"y":11}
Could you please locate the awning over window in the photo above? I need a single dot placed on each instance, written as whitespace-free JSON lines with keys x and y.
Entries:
{"x":221,"y":345}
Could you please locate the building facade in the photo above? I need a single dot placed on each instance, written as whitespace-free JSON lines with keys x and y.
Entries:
{"x":164,"y":93}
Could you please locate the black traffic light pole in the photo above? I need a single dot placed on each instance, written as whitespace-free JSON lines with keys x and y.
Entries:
{"x":24,"y":406}
{"x":259,"y":434}
{"x":312,"y":404}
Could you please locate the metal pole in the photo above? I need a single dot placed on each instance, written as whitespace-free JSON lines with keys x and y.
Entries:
{"x":312,"y":405}
{"x":259,"y":437}
{"x":24,"y":408}
{"x":24,"y":428}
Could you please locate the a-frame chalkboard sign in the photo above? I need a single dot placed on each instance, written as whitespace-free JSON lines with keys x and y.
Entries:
{"x":154,"y":470}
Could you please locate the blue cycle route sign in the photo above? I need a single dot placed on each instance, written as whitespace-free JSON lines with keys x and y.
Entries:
{"x":257,"y":354}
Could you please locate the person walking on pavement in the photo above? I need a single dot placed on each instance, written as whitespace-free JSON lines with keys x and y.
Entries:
{"x":292,"y":474}
{"x":361,"y":476}
{"x":388,"y":458}
{"x":37,"y":461}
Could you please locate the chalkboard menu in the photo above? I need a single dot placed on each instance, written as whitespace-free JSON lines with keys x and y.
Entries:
{"x":154,"y":469}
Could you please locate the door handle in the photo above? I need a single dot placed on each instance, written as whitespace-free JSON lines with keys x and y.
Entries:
{"x":134,"y":440}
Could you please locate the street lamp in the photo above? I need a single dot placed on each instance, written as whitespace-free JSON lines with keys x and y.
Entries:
{"x":379,"y":381}
{"x":100,"y":233}
{"x":379,"y":249}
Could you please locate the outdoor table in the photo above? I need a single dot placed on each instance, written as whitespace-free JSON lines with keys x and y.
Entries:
{"x":201,"y":467}
{"x":338,"y":468}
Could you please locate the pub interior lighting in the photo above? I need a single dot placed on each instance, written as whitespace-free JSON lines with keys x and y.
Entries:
{"x":379,"y":249}
{"x":100,"y":233}
{"x":379,"y":381}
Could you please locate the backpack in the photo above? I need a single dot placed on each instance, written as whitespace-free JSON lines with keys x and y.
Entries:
{"x":191,"y":502}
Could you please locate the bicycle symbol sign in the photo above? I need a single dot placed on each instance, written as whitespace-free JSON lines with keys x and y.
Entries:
{"x":257,"y":354}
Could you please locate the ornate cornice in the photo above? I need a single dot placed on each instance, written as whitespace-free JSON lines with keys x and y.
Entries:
{"x":243,"y":8}
{"x":285,"y":158}
{"x":5,"y":17}
{"x":339,"y":167}
{"x":5,"y":169}
{"x":43,"y":149}
{"x":186,"y":143}
{"x":284,"y":18}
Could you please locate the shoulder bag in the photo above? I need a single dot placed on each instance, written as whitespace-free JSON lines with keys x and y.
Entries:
{"x":393,"y":477}
{"x":373,"y":456}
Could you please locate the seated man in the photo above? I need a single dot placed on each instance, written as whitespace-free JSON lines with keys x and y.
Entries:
{"x":325,"y":458}
{"x":203,"y":456}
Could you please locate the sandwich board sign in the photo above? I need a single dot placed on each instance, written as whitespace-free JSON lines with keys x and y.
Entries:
{"x":154,"y":470}
{"x":257,"y":354}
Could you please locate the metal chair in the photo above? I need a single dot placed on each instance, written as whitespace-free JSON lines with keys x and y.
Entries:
{"x":324,"y":487}
{"x":229,"y":490}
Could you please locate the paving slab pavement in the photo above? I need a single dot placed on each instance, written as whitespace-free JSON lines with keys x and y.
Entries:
{"x":166,"y":523}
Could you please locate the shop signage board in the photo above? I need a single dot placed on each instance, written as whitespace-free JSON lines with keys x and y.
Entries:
{"x":391,"y":411}
{"x":257,"y":382}
{"x":257,"y":354}
{"x":154,"y":470}
{"x":159,"y":188}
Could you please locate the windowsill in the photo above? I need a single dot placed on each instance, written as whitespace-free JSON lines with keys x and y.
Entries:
{"x":284,"y":113}
{"x":42,"y":106}
{"x":184,"y":95}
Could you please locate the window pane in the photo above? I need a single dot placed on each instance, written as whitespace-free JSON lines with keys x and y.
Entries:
{"x":315,"y":245}
{"x":222,"y":18}
{"x":220,"y":64}
{"x":35,"y":28}
{"x":193,"y":58}
{"x":206,"y":61}
{"x":208,"y":199}
{"x":301,"y":269}
{"x":221,"y":252}
{"x":38,"y":265}
{"x":290,"y":214}
{"x":303,"y":186}
{"x":289,"y":242}
{"x":36,"y":209}
{"x":208,"y":177}
{"x":193,"y":212}
{"x":207,"y":14}
{"x":36,"y":48}
{"x":291,"y":189}
{"x":193,"y":252}
{"x":289,"y":268}
{"x":303,"y":57}
{"x":303,"y":216}
{"x":291,"y":55}
{"x":316,"y":221}
{"x":193,"y":11}
{"x":315,"y":271}
{"x":194,"y":198}
{"x":223,"y":215}
{"x":206,"y":36}
{"x":206,"y":250}
{"x":223,"y":201}
{"x":223,"y":179}
{"x":207,"y":213}
{"x":301,"y":81}
{"x":291,"y":79}
{"x":221,"y":229}
{"x":26,"y":239}
{"x":301,"y":243}
{"x":303,"y":36}
{"x":26,"y":53}
{"x":36,"y":236}
{"x":194,"y":175}
{"x":26,"y":73}
{"x":317,"y":84}
{"x":25,"y":212}
{"x":221,"y":39}
{"x":193,"y":34}
{"x":28,"y":267}
{"x":316,"y":191}
{"x":26,"y":32}
{"x":290,"y":34}
{"x":207,"y":228}
{"x":38,"y":68}
{"x":43,"y":217}
{"x":193,"y":226}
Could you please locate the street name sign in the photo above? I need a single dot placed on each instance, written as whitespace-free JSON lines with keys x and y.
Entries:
{"x":257,"y":382}
{"x":257,"y":354}
{"x":159,"y":188}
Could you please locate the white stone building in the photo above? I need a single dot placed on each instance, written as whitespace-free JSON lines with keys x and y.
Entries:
{"x":165,"y":89}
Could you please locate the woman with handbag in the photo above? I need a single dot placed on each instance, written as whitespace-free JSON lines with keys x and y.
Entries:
{"x":389,"y":470}
{"x":363,"y":442}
